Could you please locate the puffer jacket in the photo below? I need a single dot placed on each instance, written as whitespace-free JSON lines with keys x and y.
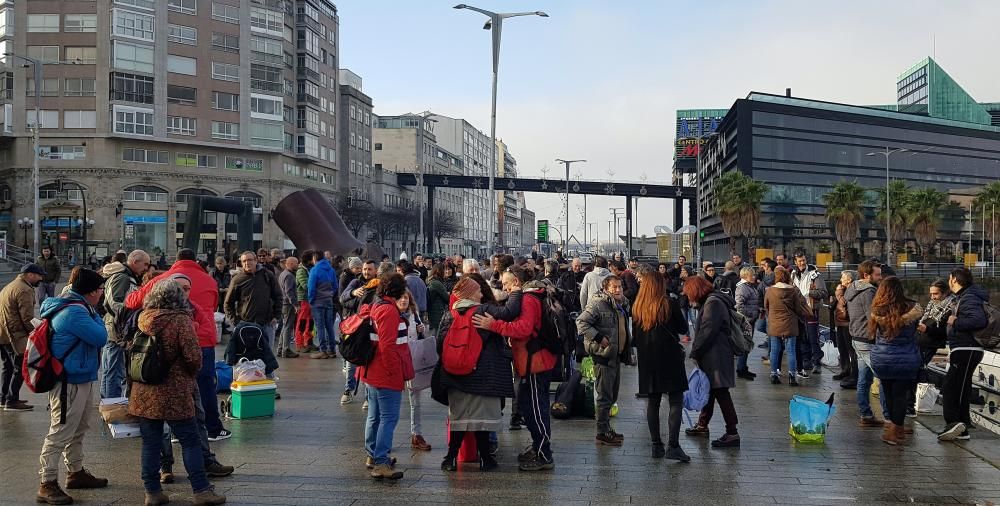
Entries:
{"x":859,"y":298}
{"x":492,"y":377}
{"x":52,"y":268}
{"x":971,"y":317}
{"x":898,"y":358}
{"x":119,"y":282}
{"x":748,"y":300}
{"x":392,"y":366}
{"x":591,"y":284}
{"x":600,"y":320}
{"x":77,"y":325}
{"x":17,"y":308}
{"x":322,"y":285}
{"x":785,"y":306}
{"x":171,"y":399}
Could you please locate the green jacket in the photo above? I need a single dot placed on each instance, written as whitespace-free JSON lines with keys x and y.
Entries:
{"x":52,"y":268}
{"x":119,"y":282}
{"x":302,"y":283}
{"x":437,"y":301}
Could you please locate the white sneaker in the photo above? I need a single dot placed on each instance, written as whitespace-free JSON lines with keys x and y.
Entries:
{"x":347,"y":398}
{"x":952,"y":433}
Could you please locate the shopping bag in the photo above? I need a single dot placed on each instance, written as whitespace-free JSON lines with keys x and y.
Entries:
{"x":425,"y":357}
{"x":223,"y":376}
{"x":587,"y":369}
{"x":927,"y":396}
{"x":831,"y":355}
{"x":247,"y":371}
{"x":809,"y":418}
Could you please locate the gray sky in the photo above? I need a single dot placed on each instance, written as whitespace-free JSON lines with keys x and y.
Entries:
{"x":602,"y":80}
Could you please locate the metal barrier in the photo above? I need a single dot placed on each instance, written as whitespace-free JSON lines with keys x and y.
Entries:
{"x":915,"y":269}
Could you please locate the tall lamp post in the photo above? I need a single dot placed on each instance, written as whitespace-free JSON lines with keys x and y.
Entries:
{"x":495,"y":25}
{"x":25,"y":224}
{"x":888,"y":152}
{"x":84,"y":226}
{"x":37,"y":68}
{"x":567,"y":163}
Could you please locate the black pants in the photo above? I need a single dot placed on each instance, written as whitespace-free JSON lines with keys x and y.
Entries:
{"x":848,"y":357}
{"x":10,"y":381}
{"x":957,"y":388}
{"x":482,"y":443}
{"x":897,"y":398}
{"x":725,"y":400}
{"x":673,"y":420}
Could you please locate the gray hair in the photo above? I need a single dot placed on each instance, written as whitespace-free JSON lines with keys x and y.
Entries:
{"x":469,"y":266}
{"x":852,"y":274}
{"x":551,"y":266}
{"x":747,"y":272}
{"x":354,"y":262}
{"x":385,"y":267}
{"x":167,"y":294}
{"x":137,"y":256}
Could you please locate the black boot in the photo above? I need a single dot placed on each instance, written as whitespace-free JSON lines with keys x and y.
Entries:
{"x":449,"y":463}
{"x":658,"y":450}
{"x":487,"y":463}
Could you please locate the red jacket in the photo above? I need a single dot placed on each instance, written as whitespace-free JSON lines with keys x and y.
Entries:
{"x":392,"y":365}
{"x":204,"y":296}
{"x":523,"y":329}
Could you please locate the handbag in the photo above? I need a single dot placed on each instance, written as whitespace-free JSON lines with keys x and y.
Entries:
{"x":425,"y":356}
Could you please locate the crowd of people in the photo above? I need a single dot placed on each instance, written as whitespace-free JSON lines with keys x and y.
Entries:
{"x":622,"y":312}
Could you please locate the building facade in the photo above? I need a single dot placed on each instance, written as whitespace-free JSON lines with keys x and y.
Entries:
{"x":355,"y":122}
{"x":145,"y":103}
{"x":528,"y":231}
{"x":508,"y":208}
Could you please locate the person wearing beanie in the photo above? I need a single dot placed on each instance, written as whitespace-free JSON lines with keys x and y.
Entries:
{"x":78,"y":335}
{"x":17,"y":308}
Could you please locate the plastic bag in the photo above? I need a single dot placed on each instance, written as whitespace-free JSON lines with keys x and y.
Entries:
{"x":809,"y":418}
{"x":246,"y":371}
{"x":587,"y":369}
{"x":927,"y":396}
{"x":425,"y":357}
{"x":831,"y":355}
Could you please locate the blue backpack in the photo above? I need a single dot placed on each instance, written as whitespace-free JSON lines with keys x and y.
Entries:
{"x":696,"y":396}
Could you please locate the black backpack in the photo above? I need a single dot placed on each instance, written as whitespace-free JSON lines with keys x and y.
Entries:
{"x":356,"y":345}
{"x":147,"y":362}
{"x":555,"y":334}
{"x":127,"y":324}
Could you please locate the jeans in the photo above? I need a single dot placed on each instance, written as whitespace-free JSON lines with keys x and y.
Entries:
{"x":673,"y":419}
{"x":383,"y":415}
{"x":957,"y":387}
{"x":207,"y":387}
{"x":287,"y":335}
{"x":865,"y":378}
{"x":152,"y":441}
{"x":10,"y":382}
{"x":761,"y":326}
{"x":44,"y":290}
{"x":897,"y":398}
{"x":692,"y":316}
{"x":112,"y":371}
{"x":323,"y":319}
{"x":167,"y":453}
{"x":414,"y":412}
{"x":789,"y":344}
{"x":533,"y":398}
{"x":268,"y":333}
{"x":725,"y":400}
{"x":350,"y":377}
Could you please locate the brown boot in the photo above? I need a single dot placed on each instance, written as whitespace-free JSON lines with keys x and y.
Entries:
{"x":50,"y":493}
{"x":156,"y":499}
{"x":889,"y":434}
{"x":208,"y":497}
{"x":901,"y":433}
{"x":83,"y":479}
{"x":907,"y":429}
{"x":418,"y":443}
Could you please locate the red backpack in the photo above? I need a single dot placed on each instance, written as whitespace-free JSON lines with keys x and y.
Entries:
{"x":462,"y":345}
{"x":42,"y":370}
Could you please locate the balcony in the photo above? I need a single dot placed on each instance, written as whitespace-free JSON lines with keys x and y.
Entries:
{"x":270,"y":59}
{"x":262,"y":85}
{"x":302,"y":19}
{"x":308,"y":73}
{"x":309,"y":99}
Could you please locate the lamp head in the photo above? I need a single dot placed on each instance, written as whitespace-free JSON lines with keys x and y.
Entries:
{"x":488,"y":25}
{"x":542,"y":14}
{"x":460,"y":6}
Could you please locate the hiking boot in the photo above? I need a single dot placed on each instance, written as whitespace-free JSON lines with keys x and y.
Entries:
{"x":384,"y":472}
{"x":889,"y":434}
{"x":775,"y":379}
{"x":319,"y":355}
{"x":166,"y":477}
{"x":291,"y":354}
{"x":217,"y":470}
{"x":83,"y":479}
{"x":208,"y":497}
{"x":607,"y":439}
{"x":901,"y":432}
{"x":676,"y":453}
{"x":155,"y":499}
{"x":727,"y":441}
{"x":418,"y":443}
{"x":449,"y":464}
{"x":745,"y":374}
{"x":527,"y":455}
{"x":50,"y":493}
{"x":370,"y":462}
{"x":488,"y":463}
{"x":516,"y":422}
{"x":870,"y":422}
{"x":952,"y":432}
{"x":539,"y":463}
{"x":697,"y":430}
{"x":658,"y":450}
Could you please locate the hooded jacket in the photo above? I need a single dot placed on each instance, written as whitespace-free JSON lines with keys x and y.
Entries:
{"x":971,"y":317}
{"x":591,"y":284}
{"x":171,"y":399}
{"x":785,"y":306}
{"x":17,"y":308}
{"x":119,"y":283}
{"x":898,"y":358}
{"x":76,"y":324}
{"x":323,"y":285}
{"x":859,"y":296}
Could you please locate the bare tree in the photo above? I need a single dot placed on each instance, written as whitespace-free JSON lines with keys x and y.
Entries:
{"x":356,"y":214}
{"x":446,"y":224}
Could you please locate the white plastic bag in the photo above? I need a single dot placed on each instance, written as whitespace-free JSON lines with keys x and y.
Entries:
{"x":927,"y":396}
{"x":831,"y":355}
{"x":246,"y":371}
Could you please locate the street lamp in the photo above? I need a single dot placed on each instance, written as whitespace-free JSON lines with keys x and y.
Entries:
{"x":567,"y":163}
{"x":37,"y":67}
{"x":25,"y":224}
{"x":495,"y":25}
{"x":888,"y":213}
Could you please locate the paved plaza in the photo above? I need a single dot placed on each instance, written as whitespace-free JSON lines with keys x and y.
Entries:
{"x":311,"y":453}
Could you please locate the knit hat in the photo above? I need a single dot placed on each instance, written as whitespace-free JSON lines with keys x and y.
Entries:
{"x":354,"y":262}
{"x":467,"y":290}
{"x":87,"y":281}
{"x":402,"y":256}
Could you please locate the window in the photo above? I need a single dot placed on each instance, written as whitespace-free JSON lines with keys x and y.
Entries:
{"x":62,"y":152}
{"x":80,"y":87}
{"x":50,"y":87}
{"x":240,"y":163}
{"x":7,"y":21}
{"x":131,"y":88}
{"x":224,"y":12}
{"x":266,"y":50}
{"x":308,"y":145}
{"x":133,"y":25}
{"x":183,"y":34}
{"x":50,"y":119}
{"x":80,"y":23}
{"x":265,"y":107}
{"x":308,"y":41}
{"x":292,"y":169}
{"x":83,"y":55}
{"x":144,"y":155}
{"x":79,"y":119}
{"x":267,"y":134}
{"x":353,"y":112}
{"x":225,"y":131}
{"x":267,"y":21}
{"x":195,"y":160}
{"x":308,"y":119}
{"x":183,"y":6}
{"x":133,"y":120}
{"x":144,"y":193}
{"x":265,"y":78}
{"x":45,"y":53}
{"x":142,"y":4}
{"x":180,"y":125}
{"x":225,"y":101}
{"x":226,"y":42}
{"x":181,"y":95}
{"x":182,"y":65}
{"x":43,"y":22}
{"x":225,"y":71}
{"x":130,"y":56}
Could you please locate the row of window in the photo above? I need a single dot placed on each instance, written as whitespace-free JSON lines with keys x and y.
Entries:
{"x":72,"y":87}
{"x":48,"y":23}
{"x":361,"y":115}
{"x":84,"y":55}
{"x":71,"y":119}
{"x":184,"y":159}
{"x":360,"y":142}
{"x":310,"y":174}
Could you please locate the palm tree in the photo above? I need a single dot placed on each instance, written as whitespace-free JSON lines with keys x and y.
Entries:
{"x":899,"y":219}
{"x":737,"y":200}
{"x":984,"y":204}
{"x":925,"y":204}
{"x":844,"y":208}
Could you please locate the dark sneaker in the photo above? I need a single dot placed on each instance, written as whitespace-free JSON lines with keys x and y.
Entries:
{"x":727,"y":441}
{"x":952,"y":432}
{"x":217,"y":470}
{"x":775,"y":379}
{"x":911,"y":412}
{"x":83,"y":479}
{"x":676,"y":453}
{"x":495,"y":450}
{"x":449,"y":464}
{"x":607,"y":439}
{"x":540,"y":463}
{"x":224,"y":434}
{"x":804,"y":374}
{"x":840,"y":375}
{"x":291,"y":354}
{"x":745,"y":374}
{"x":963,"y":436}
{"x":527,"y":455}
{"x":50,"y":493}
{"x":488,"y":464}
{"x":658,"y":450}
{"x":516,"y":422}
{"x":697,"y":430}
{"x":385,"y":472}
{"x":849,"y":384}
{"x":18,"y":406}
{"x":870,"y":422}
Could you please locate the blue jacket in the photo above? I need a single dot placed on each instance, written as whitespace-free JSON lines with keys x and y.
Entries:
{"x":76,"y":323}
{"x":898,"y":359}
{"x":418,"y":288}
{"x":971,"y":317}
{"x":322,"y":284}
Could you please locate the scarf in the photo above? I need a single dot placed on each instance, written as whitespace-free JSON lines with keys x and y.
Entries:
{"x":936,"y":309}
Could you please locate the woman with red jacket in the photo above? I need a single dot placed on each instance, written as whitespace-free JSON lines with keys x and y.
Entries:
{"x":386,"y":375}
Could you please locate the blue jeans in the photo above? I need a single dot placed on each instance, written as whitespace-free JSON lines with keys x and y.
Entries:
{"x":207,"y":386}
{"x":323,"y":319}
{"x":777,"y":344}
{"x":167,"y":453}
{"x":112,"y":371}
{"x":383,"y":415}
{"x":152,"y":442}
{"x":692,"y":316}
{"x":865,"y":378}
{"x":350,"y":377}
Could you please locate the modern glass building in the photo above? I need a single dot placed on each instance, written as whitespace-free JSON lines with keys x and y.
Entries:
{"x":801,"y":148}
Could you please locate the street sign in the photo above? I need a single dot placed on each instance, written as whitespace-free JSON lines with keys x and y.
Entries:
{"x":543,"y":230}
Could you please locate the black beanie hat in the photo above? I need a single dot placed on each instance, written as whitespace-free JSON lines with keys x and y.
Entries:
{"x":87,"y":281}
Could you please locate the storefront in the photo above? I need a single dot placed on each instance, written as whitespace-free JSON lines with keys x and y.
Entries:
{"x":145,"y":230}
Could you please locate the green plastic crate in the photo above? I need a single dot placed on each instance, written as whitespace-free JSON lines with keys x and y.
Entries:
{"x":253,"y":404}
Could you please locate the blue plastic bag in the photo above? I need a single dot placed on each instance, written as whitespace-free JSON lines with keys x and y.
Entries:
{"x":809,"y":418}
{"x":223,"y":376}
